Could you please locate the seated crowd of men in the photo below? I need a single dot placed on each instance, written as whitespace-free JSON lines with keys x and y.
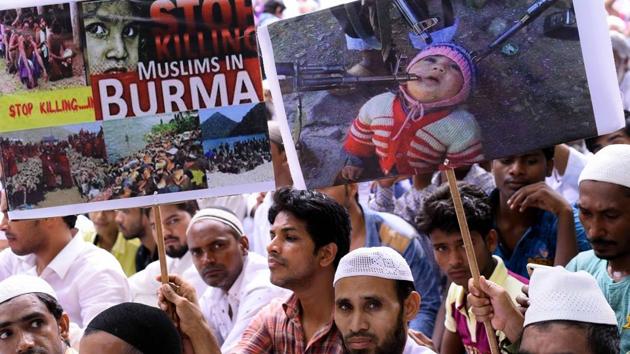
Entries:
{"x":337,"y":275}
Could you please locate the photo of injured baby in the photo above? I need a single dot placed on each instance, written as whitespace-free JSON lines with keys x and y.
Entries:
{"x":383,"y":88}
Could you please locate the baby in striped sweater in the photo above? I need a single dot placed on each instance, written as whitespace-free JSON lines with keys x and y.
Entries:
{"x":414,"y":130}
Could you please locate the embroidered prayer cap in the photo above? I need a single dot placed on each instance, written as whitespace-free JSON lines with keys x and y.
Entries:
{"x":610,"y":164}
{"x":555,"y":294}
{"x":23,"y":284}
{"x":274,"y":132}
{"x":218,"y":214}
{"x":146,"y":328}
{"x":379,"y":262}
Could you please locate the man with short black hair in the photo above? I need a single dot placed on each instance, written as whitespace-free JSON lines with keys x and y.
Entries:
{"x":179,"y":261}
{"x":134,"y":223}
{"x":534,"y":223}
{"x":31,"y":319}
{"x":237,"y":280}
{"x":621,"y":136}
{"x":439,"y":221}
{"x":310,"y":233}
{"x":374,"y":302}
{"x":131,"y":328}
{"x":87,"y":279}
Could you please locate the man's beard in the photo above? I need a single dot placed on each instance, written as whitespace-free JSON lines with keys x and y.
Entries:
{"x":394,"y":342}
{"x":178,"y":252}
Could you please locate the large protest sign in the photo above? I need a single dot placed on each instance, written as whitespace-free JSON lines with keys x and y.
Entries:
{"x":108,"y":104}
{"x":356,"y":89}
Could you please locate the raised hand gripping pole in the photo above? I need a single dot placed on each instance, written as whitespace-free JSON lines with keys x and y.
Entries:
{"x":468,"y":245}
{"x":162,"y":257}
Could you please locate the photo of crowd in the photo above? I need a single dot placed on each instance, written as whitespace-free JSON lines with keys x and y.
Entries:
{"x":236,"y":144}
{"x":39,"y":49}
{"x":54,"y":166}
{"x":154,"y":154}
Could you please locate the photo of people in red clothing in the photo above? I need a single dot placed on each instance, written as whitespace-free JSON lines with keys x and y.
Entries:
{"x":53,"y":166}
{"x":373,"y":89}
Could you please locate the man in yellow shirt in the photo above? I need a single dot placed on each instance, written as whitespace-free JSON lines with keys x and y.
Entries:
{"x":107,"y":237}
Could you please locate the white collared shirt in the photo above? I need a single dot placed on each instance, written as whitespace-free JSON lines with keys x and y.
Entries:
{"x":86,"y":279}
{"x":144,"y":286}
{"x":251,"y":291}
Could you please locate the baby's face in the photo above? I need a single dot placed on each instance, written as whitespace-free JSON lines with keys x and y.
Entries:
{"x":439,"y":79}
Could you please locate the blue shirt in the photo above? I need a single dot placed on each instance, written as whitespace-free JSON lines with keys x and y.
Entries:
{"x":538,"y":243}
{"x":384,"y":229}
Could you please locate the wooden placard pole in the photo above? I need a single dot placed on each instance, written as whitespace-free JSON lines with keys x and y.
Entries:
{"x":162,"y":258}
{"x":468,"y":245}
{"x":160,"y":244}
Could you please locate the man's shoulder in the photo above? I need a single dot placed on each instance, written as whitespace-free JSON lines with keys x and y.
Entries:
{"x":394,"y":231}
{"x":588,"y":262}
{"x":96,"y":258}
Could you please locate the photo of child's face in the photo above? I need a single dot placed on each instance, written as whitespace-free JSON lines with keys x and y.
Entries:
{"x":112,"y":37}
{"x":439,"y":78}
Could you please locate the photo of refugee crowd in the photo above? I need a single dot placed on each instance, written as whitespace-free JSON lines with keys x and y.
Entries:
{"x":40,"y":49}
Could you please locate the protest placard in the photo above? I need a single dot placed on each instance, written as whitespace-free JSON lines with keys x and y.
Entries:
{"x":108,"y":104}
{"x":359,"y":101}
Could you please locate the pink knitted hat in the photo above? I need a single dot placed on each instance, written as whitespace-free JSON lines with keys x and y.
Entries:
{"x":466,"y":65}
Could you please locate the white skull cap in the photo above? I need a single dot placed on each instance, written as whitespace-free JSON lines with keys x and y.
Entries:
{"x":23,"y":284}
{"x":380,"y":262}
{"x":610,"y":164}
{"x":218,"y":214}
{"x":555,"y":294}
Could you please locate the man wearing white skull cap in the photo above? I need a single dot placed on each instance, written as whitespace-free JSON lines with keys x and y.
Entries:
{"x":604,"y":211}
{"x":374,"y":301}
{"x":567,"y":313}
{"x":31,"y":319}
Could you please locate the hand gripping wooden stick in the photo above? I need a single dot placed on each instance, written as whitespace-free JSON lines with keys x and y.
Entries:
{"x":468,"y":245}
{"x":162,"y":256}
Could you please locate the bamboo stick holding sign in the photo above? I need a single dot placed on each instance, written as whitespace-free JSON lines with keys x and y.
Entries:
{"x":160,"y":245}
{"x":468,"y":245}
{"x":162,"y":257}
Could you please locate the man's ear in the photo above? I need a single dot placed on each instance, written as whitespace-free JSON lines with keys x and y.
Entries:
{"x":550,"y":164}
{"x":411,"y":306}
{"x":244,"y":243}
{"x":64,"y":326}
{"x":492,"y":240}
{"x":327,"y":254}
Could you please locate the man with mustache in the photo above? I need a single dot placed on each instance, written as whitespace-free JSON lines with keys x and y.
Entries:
{"x":534,"y":223}
{"x":31,"y":319}
{"x":374,"y":302}
{"x":604,"y":211}
{"x":310,"y":233}
{"x":86,"y":278}
{"x":238,"y":280}
{"x":175,"y":220}
{"x":439,"y":221}
{"x":134,"y":223}
{"x":370,"y":229}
